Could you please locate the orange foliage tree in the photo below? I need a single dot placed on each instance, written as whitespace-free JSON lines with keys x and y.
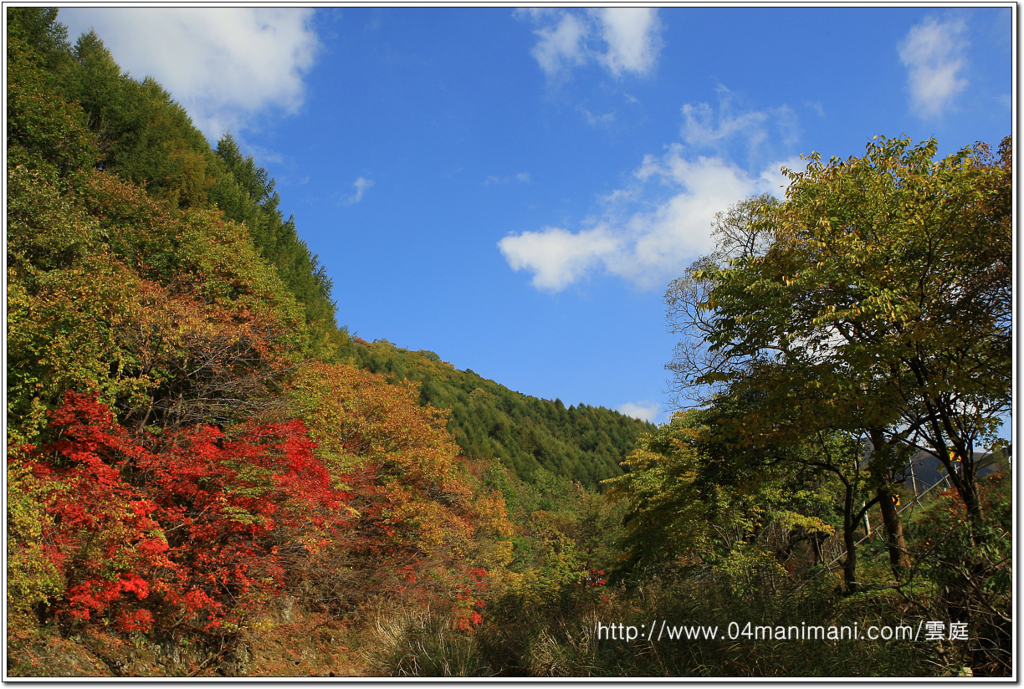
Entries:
{"x":418,"y":510}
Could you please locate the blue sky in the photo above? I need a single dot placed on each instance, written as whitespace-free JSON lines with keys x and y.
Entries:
{"x":514,"y":189}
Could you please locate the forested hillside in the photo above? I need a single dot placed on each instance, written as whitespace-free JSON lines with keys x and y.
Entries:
{"x":190,"y":433}
{"x":134,"y":132}
{"x":208,"y":476}
{"x":491,"y":422}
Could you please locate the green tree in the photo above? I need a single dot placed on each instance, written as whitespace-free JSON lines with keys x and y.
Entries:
{"x":884,"y":299}
{"x":43,"y":129}
{"x":696,"y":498}
{"x":37,"y":29}
{"x":245,"y":192}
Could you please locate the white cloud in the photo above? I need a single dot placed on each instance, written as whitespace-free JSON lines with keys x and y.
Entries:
{"x":620,"y":39}
{"x":651,"y":229}
{"x":226,"y":66}
{"x":933,"y":54}
{"x":645,"y":411}
{"x":561,"y":45}
{"x":361,"y":185}
{"x":646,"y":247}
{"x":557,"y":257}
{"x":633,"y":35}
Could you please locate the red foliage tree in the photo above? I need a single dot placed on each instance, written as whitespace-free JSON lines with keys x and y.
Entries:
{"x":190,"y":531}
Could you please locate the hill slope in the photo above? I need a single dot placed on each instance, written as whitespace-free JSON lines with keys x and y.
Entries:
{"x":524,"y":433}
{"x":71,"y":108}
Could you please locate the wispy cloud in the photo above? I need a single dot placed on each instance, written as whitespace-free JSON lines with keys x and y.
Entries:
{"x":645,"y":410}
{"x":522,"y":178}
{"x":622,"y":40}
{"x":933,"y":55}
{"x":361,"y":185}
{"x":593,"y":120}
{"x":226,"y":66}
{"x":816,"y":107}
{"x":261,"y":153}
{"x":708,"y":128}
{"x":649,"y":230}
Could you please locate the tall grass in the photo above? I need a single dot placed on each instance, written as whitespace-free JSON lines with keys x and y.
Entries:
{"x":409,"y":642}
{"x":554,"y":633}
{"x":558,"y":638}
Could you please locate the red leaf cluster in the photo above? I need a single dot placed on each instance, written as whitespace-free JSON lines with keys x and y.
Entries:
{"x":185,"y":530}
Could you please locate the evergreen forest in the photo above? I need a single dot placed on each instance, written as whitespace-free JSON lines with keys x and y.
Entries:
{"x":208,"y":476}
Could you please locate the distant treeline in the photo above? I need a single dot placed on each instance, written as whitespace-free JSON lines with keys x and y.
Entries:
{"x":489,"y":421}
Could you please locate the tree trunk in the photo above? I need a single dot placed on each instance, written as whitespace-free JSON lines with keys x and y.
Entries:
{"x":972,"y":501}
{"x":850,"y":541}
{"x":899,"y":559}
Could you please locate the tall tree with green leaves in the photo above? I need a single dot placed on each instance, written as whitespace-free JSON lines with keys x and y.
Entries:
{"x":245,"y":193}
{"x":884,"y":298}
{"x":37,"y":29}
{"x":696,"y":497}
